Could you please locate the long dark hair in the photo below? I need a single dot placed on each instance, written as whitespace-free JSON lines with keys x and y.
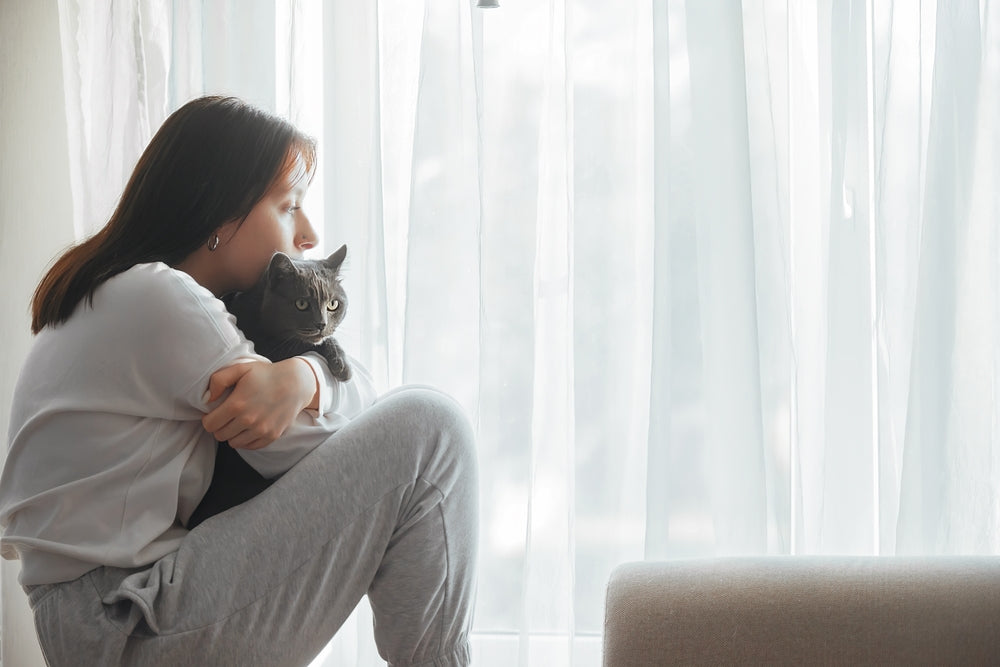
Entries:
{"x":209,"y":163}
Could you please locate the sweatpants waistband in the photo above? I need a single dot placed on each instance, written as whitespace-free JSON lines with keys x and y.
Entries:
{"x":38,"y":592}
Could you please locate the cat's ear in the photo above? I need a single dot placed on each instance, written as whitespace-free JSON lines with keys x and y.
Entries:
{"x":334,"y":261}
{"x":280,"y":265}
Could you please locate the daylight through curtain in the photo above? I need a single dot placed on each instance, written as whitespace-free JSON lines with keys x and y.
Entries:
{"x":711,"y":277}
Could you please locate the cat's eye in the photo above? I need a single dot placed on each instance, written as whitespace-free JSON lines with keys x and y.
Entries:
{"x":302,"y":304}
{"x":333,"y":305}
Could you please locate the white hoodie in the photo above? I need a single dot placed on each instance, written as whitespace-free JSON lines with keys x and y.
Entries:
{"x":107,"y":454}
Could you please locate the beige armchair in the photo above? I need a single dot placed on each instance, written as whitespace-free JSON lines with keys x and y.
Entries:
{"x":805,"y":610}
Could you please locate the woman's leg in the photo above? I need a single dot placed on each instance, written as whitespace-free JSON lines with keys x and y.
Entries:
{"x":387,"y":506}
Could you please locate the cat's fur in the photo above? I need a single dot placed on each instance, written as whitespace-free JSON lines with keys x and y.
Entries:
{"x":295,"y":308}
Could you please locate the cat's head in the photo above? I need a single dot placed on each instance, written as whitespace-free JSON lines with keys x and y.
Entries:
{"x":303,"y":298}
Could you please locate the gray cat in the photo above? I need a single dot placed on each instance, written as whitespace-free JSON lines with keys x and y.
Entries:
{"x":294,"y":308}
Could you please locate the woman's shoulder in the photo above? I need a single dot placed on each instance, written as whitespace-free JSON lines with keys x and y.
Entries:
{"x":159,"y":278}
{"x":154,"y":284}
{"x":155,"y":294}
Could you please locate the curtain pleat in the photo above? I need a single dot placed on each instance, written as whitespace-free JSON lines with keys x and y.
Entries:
{"x":939,"y":483}
{"x":114,"y":66}
{"x":724,"y":242}
{"x":766,"y":43}
{"x":899,"y":140}
{"x":185,"y":78}
{"x":845,"y":518}
{"x":547,"y":597}
{"x":657,"y":469}
{"x":441,"y":318}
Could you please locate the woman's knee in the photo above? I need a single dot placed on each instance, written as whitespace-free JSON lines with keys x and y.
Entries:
{"x":431,"y":406}
{"x":441,"y":416}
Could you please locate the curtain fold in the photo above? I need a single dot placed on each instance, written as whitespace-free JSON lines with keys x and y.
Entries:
{"x":943,"y":478}
{"x":711,"y":277}
{"x":657,"y":473}
{"x":114,"y":72}
{"x":727,"y":303}
{"x":548,"y":578}
{"x":904,"y":50}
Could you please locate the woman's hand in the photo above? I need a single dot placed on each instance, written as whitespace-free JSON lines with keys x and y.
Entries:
{"x":265,"y":399}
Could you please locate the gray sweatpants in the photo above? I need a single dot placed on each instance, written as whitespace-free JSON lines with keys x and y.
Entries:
{"x":387,"y":506}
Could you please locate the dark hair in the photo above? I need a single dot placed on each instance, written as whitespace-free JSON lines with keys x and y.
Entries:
{"x":209,"y":163}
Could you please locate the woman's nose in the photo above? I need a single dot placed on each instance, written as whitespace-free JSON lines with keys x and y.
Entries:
{"x":306,"y":236}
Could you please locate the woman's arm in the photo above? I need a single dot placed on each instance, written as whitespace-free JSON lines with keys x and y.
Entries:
{"x":340,"y":402}
{"x":265,"y":399}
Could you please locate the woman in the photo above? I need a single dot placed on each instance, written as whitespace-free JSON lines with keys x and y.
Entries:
{"x":137,"y":370}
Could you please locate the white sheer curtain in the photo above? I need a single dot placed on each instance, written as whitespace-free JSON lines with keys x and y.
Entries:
{"x":711,"y":277}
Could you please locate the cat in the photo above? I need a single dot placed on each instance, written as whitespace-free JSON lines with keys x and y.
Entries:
{"x":294,"y":308}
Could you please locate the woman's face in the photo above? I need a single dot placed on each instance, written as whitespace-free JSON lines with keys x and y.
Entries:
{"x":277,"y":223}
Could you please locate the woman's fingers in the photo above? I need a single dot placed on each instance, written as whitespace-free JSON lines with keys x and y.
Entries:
{"x":224,"y":378}
{"x":265,"y":399}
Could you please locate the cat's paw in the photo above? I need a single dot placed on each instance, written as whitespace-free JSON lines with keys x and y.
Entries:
{"x":340,"y":370}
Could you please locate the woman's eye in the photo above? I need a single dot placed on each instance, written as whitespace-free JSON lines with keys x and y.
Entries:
{"x":302,"y":304}
{"x":333,"y":305}
{"x":292,"y":209}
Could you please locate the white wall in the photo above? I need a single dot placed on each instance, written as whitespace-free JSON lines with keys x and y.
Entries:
{"x":35,"y":223}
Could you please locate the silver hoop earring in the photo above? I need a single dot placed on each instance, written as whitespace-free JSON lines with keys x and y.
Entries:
{"x":213,"y":243}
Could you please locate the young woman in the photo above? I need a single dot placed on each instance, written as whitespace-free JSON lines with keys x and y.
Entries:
{"x":137,"y":370}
